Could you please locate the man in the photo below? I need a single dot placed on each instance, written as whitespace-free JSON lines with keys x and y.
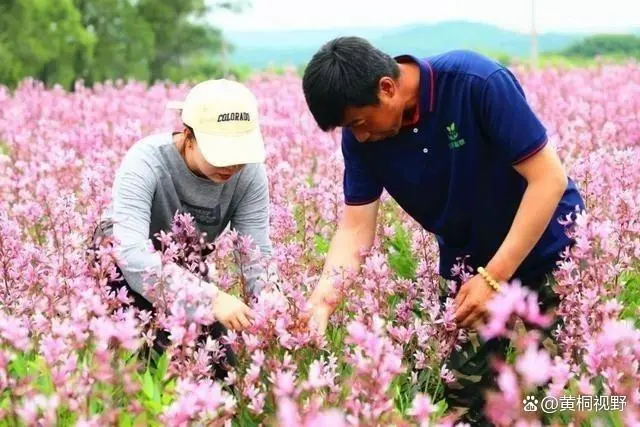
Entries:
{"x":453,"y":140}
{"x":212,"y":169}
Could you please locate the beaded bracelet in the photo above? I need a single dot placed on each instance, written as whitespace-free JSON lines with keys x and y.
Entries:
{"x":490,"y":280}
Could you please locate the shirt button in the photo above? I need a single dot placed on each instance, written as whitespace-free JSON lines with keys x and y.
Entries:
{"x":415,"y":130}
{"x":425,"y":150}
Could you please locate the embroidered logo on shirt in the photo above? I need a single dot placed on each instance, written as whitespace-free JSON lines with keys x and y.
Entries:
{"x":454,"y":140}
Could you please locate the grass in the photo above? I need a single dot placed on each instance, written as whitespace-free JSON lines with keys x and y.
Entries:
{"x":400,"y":258}
{"x":630,"y":297}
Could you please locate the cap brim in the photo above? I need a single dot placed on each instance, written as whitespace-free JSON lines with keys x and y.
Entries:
{"x":221,"y":151}
{"x":175,"y":105}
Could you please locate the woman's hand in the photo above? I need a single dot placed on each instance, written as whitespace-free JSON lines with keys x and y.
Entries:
{"x":231,"y":312}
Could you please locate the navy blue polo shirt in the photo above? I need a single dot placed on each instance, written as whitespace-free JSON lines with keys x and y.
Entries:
{"x":452,"y":171}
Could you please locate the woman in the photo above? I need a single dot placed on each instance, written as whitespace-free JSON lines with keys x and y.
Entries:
{"x":213,"y":169}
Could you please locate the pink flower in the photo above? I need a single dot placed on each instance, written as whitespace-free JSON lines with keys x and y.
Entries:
{"x":446,"y":375}
{"x":288,"y":413}
{"x":534,"y":365}
{"x":508,"y":383}
{"x":56,"y":171}
{"x":284,"y":384}
{"x":422,"y":408}
{"x":14,"y":332}
{"x":331,"y":417}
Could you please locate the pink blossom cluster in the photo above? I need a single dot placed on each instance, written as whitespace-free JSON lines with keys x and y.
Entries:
{"x":71,"y":354}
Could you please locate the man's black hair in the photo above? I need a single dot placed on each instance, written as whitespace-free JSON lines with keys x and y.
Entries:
{"x":344,"y":72}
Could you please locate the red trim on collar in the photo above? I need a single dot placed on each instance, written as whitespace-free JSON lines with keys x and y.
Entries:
{"x":424,"y":104}
{"x":432,"y":87}
{"x":416,"y":116}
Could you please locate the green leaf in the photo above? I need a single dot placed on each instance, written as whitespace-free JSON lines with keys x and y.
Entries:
{"x":163,"y":365}
{"x":19,"y":366}
{"x":321,"y":244}
{"x":148,"y":387}
{"x":166,"y":399}
{"x":125,"y":420}
{"x":629,"y":297}
{"x":141,"y":420}
{"x":402,"y":261}
{"x":153,"y":406}
{"x":95,"y":406}
{"x":441,"y":407}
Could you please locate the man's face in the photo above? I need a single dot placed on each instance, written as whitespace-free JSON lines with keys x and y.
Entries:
{"x":375,"y":122}
{"x":219,"y":175}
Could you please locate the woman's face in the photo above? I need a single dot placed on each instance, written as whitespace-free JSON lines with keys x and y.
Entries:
{"x":199,"y":165}
{"x":219,"y":175}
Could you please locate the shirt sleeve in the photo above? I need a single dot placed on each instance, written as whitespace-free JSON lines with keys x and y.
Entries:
{"x":133,"y":191}
{"x":251,"y":218}
{"x":360,"y":183}
{"x":508,"y":119}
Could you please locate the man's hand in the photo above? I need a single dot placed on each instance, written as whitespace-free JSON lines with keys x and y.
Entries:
{"x":319,"y":316}
{"x":356,"y":231}
{"x":231,"y":312}
{"x":323,"y":301}
{"x":471,"y":302}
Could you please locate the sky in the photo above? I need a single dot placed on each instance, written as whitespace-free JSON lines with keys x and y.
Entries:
{"x":550,"y":15}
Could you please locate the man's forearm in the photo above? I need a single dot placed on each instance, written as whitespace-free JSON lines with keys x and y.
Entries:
{"x":344,"y":253}
{"x":536,"y":210}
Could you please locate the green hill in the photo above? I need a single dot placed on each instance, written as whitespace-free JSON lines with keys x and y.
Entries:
{"x":264,"y":48}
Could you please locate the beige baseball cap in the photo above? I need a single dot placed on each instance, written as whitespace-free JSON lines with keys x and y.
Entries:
{"x":224,"y":117}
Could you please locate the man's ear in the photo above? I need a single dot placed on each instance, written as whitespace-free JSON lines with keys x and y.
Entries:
{"x":387,"y":87}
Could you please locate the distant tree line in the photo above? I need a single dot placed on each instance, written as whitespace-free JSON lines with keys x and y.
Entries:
{"x":612,"y":47}
{"x":61,"y":41}
{"x":616,"y":45}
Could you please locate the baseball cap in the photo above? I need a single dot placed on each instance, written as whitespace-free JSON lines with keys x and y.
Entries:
{"x":224,"y":117}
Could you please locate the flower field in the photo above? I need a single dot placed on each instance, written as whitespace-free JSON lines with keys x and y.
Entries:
{"x":70,"y":356}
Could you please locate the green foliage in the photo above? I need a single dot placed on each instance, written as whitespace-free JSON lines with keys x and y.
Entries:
{"x":179,"y":34}
{"x":630,"y":296}
{"x":321,"y":244}
{"x":200,"y":68}
{"x":41,"y":39}
{"x":124,"y":41}
{"x":61,"y":41}
{"x":401,"y":258}
{"x":615,"y":45}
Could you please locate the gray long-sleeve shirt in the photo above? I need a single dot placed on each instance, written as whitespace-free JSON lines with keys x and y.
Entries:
{"x":153,"y":182}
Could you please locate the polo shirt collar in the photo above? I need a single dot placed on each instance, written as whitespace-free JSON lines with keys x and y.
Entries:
{"x":427,"y":83}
